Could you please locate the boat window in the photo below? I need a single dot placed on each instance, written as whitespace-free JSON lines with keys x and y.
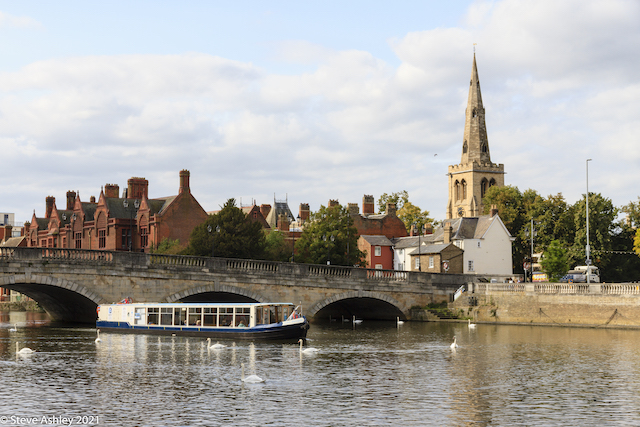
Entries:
{"x":226,"y":316}
{"x":153,"y":316}
{"x":262,"y":313}
{"x":243,"y":315}
{"x":180,"y":316}
{"x":166,"y":315}
{"x":210,"y":316}
{"x":195,"y":316}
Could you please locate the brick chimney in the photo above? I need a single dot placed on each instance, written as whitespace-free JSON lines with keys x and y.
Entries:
{"x":92,"y":199}
{"x":111,"y":191}
{"x":391,"y":209}
{"x":368,"y":207}
{"x":184,"y":181}
{"x":353,"y":209}
{"x":283,"y":222}
{"x":50,"y":201}
{"x":413,"y":232}
{"x":333,"y":203}
{"x":448,"y":231}
{"x":71,"y":200}
{"x":428,"y":229}
{"x":137,"y":188}
{"x":304,"y":212}
{"x":494,"y":210}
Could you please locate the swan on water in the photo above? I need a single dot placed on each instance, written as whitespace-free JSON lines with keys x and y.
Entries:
{"x":25,"y":350}
{"x":399,"y":322}
{"x":14,"y":329}
{"x":250,"y":378}
{"x":471,"y":325}
{"x":356,"y":322}
{"x":308,"y":350}
{"x":216,"y":346}
{"x":453,"y":344}
{"x":98,"y":335}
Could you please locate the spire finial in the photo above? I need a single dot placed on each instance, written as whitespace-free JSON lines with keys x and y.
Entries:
{"x":474,"y":48}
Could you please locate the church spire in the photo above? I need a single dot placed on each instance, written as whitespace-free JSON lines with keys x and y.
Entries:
{"x":475,"y":145}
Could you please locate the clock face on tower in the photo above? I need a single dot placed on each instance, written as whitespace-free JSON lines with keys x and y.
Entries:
{"x":460,"y":212}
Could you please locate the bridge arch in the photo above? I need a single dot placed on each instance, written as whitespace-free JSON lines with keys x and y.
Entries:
{"x":362,"y":299}
{"x":62,"y":299}
{"x":203,"y":290}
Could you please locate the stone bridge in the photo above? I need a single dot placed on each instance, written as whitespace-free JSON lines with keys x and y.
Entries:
{"x":70,"y":283}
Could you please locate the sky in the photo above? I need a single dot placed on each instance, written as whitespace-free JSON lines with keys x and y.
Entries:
{"x":314,"y":101}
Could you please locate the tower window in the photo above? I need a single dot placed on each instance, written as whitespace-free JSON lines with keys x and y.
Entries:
{"x":474,"y":113}
{"x":464,"y":189}
{"x":464,"y":147}
{"x":484,"y":186}
{"x":484,"y":147}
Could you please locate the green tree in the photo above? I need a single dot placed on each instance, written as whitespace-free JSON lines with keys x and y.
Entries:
{"x":169,"y":247}
{"x":399,"y":198}
{"x":633,"y":213}
{"x":410,"y":214}
{"x":555,"y":262}
{"x":232,"y":232}
{"x":277,"y":248}
{"x":329,"y":236}
{"x":636,"y":242}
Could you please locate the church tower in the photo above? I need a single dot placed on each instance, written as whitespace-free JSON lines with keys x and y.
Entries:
{"x":469,"y":180}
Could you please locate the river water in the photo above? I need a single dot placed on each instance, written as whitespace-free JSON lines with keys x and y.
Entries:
{"x":374,"y":375}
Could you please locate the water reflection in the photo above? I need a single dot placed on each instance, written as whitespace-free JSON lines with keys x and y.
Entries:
{"x":375,"y":374}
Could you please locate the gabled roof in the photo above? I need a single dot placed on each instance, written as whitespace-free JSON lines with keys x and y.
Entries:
{"x":117,"y":210}
{"x":431,"y":249}
{"x":377,"y":240}
{"x":13,"y":242}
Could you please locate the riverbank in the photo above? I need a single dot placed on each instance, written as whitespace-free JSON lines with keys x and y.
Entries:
{"x":589,"y":311}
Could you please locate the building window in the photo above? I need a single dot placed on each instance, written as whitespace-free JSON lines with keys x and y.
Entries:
{"x":126,"y":238}
{"x":102,"y":239}
{"x":478,"y":244}
{"x":431,"y":262}
{"x":417,"y":266}
{"x":78,"y":238}
{"x":470,"y":265}
{"x":378,"y":251}
{"x":378,"y":266}
{"x":144,"y":237}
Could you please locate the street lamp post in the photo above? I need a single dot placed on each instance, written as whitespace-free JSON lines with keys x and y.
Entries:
{"x":419,"y":245}
{"x":213,"y":237}
{"x":588,"y":248}
{"x":332,"y":238}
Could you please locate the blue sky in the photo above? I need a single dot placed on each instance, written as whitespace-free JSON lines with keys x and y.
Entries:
{"x":314,"y":101}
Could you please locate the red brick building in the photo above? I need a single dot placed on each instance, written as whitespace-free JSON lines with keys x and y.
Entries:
{"x":131,"y":222}
{"x":379,"y":250}
{"x":370,"y":224}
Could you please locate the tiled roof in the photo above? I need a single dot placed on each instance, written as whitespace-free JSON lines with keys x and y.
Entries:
{"x":430,"y":249}
{"x":377,"y":240}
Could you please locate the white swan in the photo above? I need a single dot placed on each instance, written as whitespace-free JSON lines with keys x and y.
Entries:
{"x":308,"y":350}
{"x":356,"y":322}
{"x":453,"y":344}
{"x":14,"y":329}
{"x":250,"y":378}
{"x":25,"y":350}
{"x":216,"y":346}
{"x":98,"y":335}
{"x":471,"y":325}
{"x":399,"y":322}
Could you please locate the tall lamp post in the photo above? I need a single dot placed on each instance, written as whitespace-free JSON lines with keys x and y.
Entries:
{"x":588,"y":248}
{"x":332,"y":238}
{"x":213,"y":237}
{"x":415,"y":224}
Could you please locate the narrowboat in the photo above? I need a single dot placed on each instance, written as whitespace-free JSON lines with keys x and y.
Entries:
{"x":236,"y":321}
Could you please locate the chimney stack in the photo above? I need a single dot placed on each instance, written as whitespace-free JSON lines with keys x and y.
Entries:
{"x":304,"y":212}
{"x":111,"y":191}
{"x":50,"y":201}
{"x":333,"y":203}
{"x":368,"y":207}
{"x":184,"y":181}
{"x":494,"y":210}
{"x":448,"y":230}
{"x":137,"y":188}
{"x":71,"y":200}
{"x":353,"y":209}
{"x":391,"y":209}
{"x":283,"y":222}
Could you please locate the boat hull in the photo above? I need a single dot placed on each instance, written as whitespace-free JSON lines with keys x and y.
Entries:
{"x":280,"y":331}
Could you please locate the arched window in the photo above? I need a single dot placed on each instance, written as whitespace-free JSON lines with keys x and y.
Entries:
{"x":492,"y":182}
{"x":456,"y":190}
{"x":474,"y":113}
{"x":484,"y":147}
{"x":484,"y":186}
{"x":464,"y":147}
{"x":464,"y":189}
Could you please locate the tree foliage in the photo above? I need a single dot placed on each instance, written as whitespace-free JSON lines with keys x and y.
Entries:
{"x":555,"y":262}
{"x":329,"y":236}
{"x":399,"y":198}
{"x":168,"y":247}
{"x":232,"y":235}
{"x":411,"y":214}
{"x":277,"y":248}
